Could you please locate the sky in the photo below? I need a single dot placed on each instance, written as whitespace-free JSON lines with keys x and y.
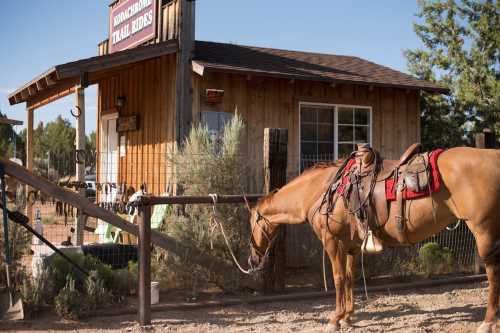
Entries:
{"x":37,"y":35}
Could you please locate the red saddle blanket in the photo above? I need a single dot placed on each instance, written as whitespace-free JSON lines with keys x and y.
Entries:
{"x":435,"y":181}
{"x":390,"y":186}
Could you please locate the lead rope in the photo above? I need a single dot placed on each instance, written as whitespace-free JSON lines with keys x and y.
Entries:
{"x":363,"y":272}
{"x":226,"y":240}
{"x":325,"y":284}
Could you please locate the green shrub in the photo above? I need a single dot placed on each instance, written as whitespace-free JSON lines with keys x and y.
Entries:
{"x":207,"y":164}
{"x":405,"y":268}
{"x":62,"y":269}
{"x":37,"y":292}
{"x":133,"y":275}
{"x":103,"y":271}
{"x":435,"y":259}
{"x":120,"y":284}
{"x":19,"y":245}
{"x":69,"y":303}
{"x":95,"y":292}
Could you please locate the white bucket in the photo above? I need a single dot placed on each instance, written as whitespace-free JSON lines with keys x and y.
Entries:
{"x":155,"y":292}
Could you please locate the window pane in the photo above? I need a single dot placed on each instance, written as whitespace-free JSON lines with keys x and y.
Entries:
{"x":325,"y":151}
{"x":325,"y":115}
{"x":325,"y":132}
{"x":345,"y":150}
{"x":210,"y":119}
{"x":308,"y":132}
{"x":346,"y":133}
{"x":307,"y":114}
{"x":361,"y":134}
{"x":224,"y":118}
{"x":362,"y":116}
{"x":308,"y":149}
{"x":345,"y":115}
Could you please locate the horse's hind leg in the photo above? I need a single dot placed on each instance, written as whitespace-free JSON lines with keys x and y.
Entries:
{"x":493,"y":272}
{"x":488,"y":245}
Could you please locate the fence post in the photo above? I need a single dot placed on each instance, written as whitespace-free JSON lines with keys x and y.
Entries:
{"x":275,"y":164}
{"x":80,"y":161}
{"x":144,"y":221}
{"x":483,"y":140}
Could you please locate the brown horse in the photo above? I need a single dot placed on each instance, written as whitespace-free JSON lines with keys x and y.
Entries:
{"x":470,"y":191}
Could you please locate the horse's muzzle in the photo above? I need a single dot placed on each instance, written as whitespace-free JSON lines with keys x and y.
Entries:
{"x":255,"y":263}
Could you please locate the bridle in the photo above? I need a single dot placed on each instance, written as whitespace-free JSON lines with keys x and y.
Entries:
{"x":253,"y":245}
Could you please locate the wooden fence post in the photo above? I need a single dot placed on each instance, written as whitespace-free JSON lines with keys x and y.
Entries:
{"x":484,"y":140}
{"x":144,"y":221}
{"x":275,"y":164}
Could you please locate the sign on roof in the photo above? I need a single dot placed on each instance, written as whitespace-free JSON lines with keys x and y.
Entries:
{"x":131,"y":22}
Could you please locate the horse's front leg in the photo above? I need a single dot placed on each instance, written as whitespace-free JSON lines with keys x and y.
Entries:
{"x":349,"y":290}
{"x":337,"y":256}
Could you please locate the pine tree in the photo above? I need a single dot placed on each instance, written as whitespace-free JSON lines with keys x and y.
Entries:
{"x":461,"y":50}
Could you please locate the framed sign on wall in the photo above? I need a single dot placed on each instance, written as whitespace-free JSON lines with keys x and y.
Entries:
{"x":131,"y":23}
{"x":127,"y":123}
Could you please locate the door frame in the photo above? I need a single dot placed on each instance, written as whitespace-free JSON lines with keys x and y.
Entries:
{"x":104,"y":136}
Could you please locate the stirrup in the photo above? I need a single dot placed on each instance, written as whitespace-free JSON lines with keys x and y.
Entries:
{"x":371,"y":244}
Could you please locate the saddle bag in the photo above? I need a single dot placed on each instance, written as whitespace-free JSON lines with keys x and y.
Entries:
{"x":416,"y":175}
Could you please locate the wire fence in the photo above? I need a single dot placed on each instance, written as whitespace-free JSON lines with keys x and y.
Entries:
{"x":112,"y":185}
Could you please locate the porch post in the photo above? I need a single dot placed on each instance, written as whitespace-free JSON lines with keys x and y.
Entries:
{"x":80,"y":158}
{"x":183,"y":85}
{"x":275,"y":164}
{"x":29,"y":157}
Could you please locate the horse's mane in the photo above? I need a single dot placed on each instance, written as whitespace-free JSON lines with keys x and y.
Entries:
{"x":267,"y":198}
{"x":319,"y":165}
{"x":323,"y":165}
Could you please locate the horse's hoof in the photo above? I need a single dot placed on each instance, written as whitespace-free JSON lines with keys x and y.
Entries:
{"x":485,"y":327}
{"x":345,"y":323}
{"x":331,"y":328}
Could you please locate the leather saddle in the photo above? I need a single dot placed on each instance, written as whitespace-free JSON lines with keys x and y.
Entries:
{"x":367,"y":196}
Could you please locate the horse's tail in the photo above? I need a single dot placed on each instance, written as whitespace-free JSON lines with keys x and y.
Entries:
{"x":493,"y":256}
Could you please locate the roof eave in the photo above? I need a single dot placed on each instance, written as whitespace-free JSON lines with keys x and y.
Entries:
{"x":71,"y":70}
{"x":207,"y":68}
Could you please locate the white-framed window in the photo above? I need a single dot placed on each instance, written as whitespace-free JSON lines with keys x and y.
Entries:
{"x":329,"y":131}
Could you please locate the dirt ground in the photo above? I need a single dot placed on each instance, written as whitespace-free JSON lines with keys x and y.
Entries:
{"x":458,"y":308}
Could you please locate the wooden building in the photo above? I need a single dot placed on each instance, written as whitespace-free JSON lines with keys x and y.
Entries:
{"x":152,"y":88}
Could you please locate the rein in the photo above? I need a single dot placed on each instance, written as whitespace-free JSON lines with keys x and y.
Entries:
{"x":264,"y":255}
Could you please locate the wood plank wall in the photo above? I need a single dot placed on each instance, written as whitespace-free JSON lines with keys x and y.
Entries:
{"x":271,"y":102}
{"x":149,"y":89}
{"x":170,"y":21}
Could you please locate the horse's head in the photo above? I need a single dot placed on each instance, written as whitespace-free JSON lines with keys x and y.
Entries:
{"x":262,"y":236}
